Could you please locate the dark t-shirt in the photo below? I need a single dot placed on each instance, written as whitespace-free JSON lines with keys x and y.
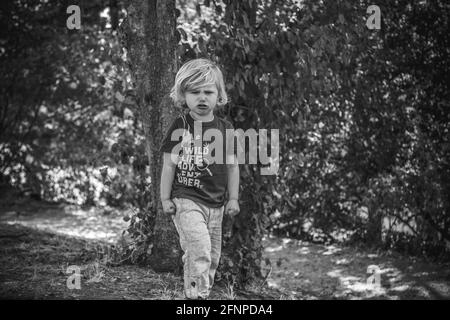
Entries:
{"x":197,"y":176}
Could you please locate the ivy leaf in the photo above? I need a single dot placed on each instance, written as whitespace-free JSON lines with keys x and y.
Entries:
{"x":119,"y":97}
{"x":183,"y":33}
{"x":219,"y":9}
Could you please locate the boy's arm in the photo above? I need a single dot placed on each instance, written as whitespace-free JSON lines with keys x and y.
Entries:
{"x":233,"y":185}
{"x":167,"y":176}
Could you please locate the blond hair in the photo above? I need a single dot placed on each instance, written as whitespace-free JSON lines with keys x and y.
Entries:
{"x":196,"y":73}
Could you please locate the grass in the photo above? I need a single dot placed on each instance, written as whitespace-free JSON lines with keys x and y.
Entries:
{"x":229,"y":293}
{"x":34,"y":265}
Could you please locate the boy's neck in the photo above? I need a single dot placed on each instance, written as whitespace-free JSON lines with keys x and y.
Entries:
{"x":205,"y":118}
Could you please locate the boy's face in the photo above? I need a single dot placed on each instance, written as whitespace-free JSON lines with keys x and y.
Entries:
{"x":202,"y":100}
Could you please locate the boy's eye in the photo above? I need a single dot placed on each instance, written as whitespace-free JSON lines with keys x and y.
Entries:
{"x":198,"y":92}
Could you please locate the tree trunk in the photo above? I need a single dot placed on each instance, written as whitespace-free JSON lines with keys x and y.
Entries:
{"x":114,"y":13}
{"x":374,"y":225}
{"x":244,"y":247}
{"x":149,"y":35}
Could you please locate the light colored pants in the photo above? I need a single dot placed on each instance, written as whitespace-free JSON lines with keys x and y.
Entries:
{"x":200,"y":231}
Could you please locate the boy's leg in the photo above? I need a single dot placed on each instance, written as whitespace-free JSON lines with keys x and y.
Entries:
{"x":195,"y":241}
{"x":215,"y":232}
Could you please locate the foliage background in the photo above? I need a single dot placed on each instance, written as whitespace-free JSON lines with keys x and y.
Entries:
{"x":363,"y":117}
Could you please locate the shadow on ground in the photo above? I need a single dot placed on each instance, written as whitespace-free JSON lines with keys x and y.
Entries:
{"x":35,"y":265}
{"x":315,"y":271}
{"x":39,"y":241}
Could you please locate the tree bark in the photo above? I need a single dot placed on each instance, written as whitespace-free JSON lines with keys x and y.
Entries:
{"x":374,"y":225}
{"x":114,"y":13}
{"x":149,"y":35}
{"x":244,"y":248}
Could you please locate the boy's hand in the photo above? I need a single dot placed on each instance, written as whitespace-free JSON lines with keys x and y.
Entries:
{"x":232,"y":207}
{"x":168,"y":206}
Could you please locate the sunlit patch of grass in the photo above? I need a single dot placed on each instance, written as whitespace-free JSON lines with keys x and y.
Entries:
{"x":330,"y":250}
{"x":89,"y":223}
{"x":356,"y":285}
{"x":94,"y":272}
{"x":169,"y":291}
{"x":284,"y":296}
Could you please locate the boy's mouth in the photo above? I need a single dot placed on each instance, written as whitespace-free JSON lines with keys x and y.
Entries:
{"x":202,"y":106}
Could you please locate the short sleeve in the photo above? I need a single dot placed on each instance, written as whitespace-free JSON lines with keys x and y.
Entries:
{"x":167,"y":144}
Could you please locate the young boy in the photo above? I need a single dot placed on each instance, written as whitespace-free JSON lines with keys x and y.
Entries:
{"x":193,"y":187}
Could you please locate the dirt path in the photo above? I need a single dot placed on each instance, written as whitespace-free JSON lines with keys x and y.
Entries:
{"x":39,"y":241}
{"x":305,"y":270}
